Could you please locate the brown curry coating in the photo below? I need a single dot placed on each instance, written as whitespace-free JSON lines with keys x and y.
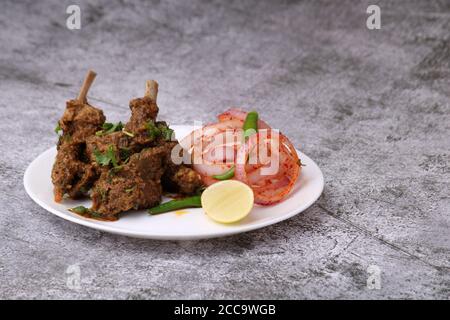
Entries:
{"x":138,"y":181}
{"x":179,"y":178}
{"x":70,"y":175}
{"x":72,"y":172}
{"x":80,"y":120}
{"x":143,"y":164}
{"x":143,"y":111}
{"x":137,"y":185}
{"x":122,"y":144}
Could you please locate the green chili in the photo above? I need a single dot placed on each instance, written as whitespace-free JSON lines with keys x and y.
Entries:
{"x":250,"y":124}
{"x":189,"y":202}
{"x":80,"y":210}
{"x":83,"y":211}
{"x":226,"y":175}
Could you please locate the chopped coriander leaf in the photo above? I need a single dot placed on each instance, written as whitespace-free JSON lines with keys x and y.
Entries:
{"x":153,"y":131}
{"x":104,"y":159}
{"x":116,"y":127}
{"x":109,"y":127}
{"x":167,"y":133}
{"x":58,"y":128}
{"x":112,"y":156}
{"x":101,"y":159}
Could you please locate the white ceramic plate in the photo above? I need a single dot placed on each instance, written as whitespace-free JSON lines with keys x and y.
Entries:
{"x":189,"y":224}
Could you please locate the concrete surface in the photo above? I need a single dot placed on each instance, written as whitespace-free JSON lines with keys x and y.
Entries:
{"x":370,"y":106}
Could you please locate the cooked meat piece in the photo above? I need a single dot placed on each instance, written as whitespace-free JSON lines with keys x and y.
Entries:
{"x":142,"y":110}
{"x":70,"y":175}
{"x":83,"y":181}
{"x":137,"y":185}
{"x":143,"y":115}
{"x":123,"y":146}
{"x":80,"y":121}
{"x":179,"y":178}
{"x":125,"y":169}
{"x":72,"y":172}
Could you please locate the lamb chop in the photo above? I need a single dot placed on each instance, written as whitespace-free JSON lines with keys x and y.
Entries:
{"x":72,"y":172}
{"x":131,"y":174}
{"x":177,"y":178}
{"x":136,"y":160}
{"x":143,"y":116}
{"x":124,"y":168}
{"x":142,"y":131}
{"x":147,"y":131}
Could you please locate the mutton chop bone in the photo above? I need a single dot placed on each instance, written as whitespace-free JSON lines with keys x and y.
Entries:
{"x":140,"y":179}
{"x":142,"y":165}
{"x":72,"y":172}
{"x":136,"y":181}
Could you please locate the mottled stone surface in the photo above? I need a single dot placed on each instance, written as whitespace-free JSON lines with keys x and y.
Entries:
{"x":371,"y":107}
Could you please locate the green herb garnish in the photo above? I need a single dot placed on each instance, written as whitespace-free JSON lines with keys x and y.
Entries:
{"x":109,"y":127}
{"x":159,"y":129}
{"x":153,"y":131}
{"x":166,"y":133}
{"x":107,"y":158}
{"x":57,"y":128}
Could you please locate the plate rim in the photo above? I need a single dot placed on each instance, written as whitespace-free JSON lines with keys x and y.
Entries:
{"x":139,"y":234}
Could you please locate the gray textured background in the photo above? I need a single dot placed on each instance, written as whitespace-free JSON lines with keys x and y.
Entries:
{"x":371,"y":107}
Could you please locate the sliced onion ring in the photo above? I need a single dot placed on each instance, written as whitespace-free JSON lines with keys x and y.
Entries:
{"x":239,"y":115}
{"x":270,"y":189}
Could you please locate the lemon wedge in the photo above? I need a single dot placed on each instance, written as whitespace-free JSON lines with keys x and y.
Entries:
{"x":227,"y":201}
